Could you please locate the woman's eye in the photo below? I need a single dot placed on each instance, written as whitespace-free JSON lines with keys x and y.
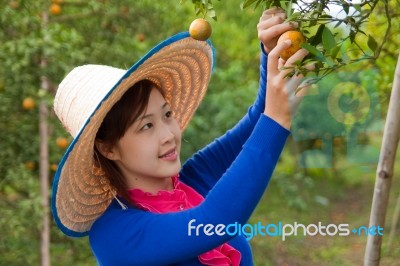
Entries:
{"x":168,"y":114}
{"x":147,"y":126}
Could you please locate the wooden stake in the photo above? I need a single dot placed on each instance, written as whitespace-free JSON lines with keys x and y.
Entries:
{"x":44,"y":162}
{"x":384,"y":171}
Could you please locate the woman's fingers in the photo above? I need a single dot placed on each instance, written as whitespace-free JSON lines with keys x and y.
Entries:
{"x":271,"y":12}
{"x":299,"y":55}
{"x":265,"y":24}
{"x":290,"y":63}
{"x":273,"y":57}
{"x":273,"y":28}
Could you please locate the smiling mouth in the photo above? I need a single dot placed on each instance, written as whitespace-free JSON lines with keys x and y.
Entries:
{"x":169,"y":155}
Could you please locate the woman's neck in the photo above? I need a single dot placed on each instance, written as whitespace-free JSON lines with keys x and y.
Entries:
{"x":152,"y":186}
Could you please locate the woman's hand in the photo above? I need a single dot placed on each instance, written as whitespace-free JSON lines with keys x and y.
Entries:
{"x":281,"y":99}
{"x":271,"y":26}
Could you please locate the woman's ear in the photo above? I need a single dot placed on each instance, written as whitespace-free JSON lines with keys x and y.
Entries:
{"x":106,"y":150}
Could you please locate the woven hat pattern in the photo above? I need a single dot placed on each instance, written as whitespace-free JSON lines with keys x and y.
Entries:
{"x":181,"y":67}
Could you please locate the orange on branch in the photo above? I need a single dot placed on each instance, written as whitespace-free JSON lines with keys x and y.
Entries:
{"x":200,"y":29}
{"x":55,"y":9}
{"x":296,"y":37}
{"x":62,"y":142}
{"x":28,"y":103}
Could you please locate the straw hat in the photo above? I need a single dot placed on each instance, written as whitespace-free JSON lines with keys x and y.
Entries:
{"x":180,"y":65}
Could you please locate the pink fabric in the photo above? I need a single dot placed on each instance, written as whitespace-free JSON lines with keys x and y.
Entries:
{"x":180,"y":198}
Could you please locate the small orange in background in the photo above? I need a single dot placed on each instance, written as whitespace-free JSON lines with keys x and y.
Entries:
{"x":53,"y":167}
{"x":30,"y":165}
{"x":55,"y":9}
{"x":14,"y":4}
{"x":140,"y":37}
{"x":124,"y":10}
{"x":62,"y":142}
{"x":200,"y":29}
{"x":28,"y":103}
{"x":297,"y":39}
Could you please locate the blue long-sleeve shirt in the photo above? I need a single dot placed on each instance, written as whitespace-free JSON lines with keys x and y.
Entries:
{"x":232,"y":174}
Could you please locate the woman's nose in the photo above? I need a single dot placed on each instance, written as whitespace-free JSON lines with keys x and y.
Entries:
{"x":167,"y":134}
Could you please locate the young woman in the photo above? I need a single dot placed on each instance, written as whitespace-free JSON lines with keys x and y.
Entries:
{"x":121,"y":181}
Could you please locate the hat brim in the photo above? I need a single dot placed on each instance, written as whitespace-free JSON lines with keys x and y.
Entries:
{"x":182,"y":67}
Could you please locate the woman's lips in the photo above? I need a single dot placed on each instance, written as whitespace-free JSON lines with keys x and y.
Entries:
{"x":170,"y":155}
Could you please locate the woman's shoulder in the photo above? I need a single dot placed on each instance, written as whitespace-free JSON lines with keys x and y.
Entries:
{"x":114,"y":218}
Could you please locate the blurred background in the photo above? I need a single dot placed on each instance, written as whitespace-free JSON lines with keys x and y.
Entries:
{"x":327,"y":170}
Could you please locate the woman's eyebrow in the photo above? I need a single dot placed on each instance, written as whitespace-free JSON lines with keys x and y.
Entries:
{"x":149,"y":115}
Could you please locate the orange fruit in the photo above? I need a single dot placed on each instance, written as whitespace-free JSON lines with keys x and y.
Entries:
{"x":28,"y":103}
{"x":30,"y":165}
{"x":14,"y":4}
{"x":141,"y":37}
{"x":53,"y":167}
{"x":55,"y":9}
{"x":200,"y":29}
{"x":124,"y":10}
{"x":62,"y":142}
{"x":297,"y":39}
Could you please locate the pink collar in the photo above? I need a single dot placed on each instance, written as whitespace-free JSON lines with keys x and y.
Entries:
{"x":183,"y":197}
{"x":180,"y":198}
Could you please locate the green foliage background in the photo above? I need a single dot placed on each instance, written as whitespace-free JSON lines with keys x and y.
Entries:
{"x":118,"y":33}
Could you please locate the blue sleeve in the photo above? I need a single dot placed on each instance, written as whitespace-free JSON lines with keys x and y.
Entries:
{"x":134,"y":237}
{"x":204,"y":168}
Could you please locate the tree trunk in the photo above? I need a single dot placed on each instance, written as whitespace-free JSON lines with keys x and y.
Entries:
{"x":384,"y":171}
{"x":395,"y":221}
{"x":44,"y":162}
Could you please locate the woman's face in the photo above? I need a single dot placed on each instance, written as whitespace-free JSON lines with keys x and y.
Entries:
{"x":149,"y":151}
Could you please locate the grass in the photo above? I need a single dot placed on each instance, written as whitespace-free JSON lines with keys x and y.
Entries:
{"x":343,"y":195}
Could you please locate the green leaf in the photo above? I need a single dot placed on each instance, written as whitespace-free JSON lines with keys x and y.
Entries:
{"x":325,"y":16}
{"x":317,"y":38}
{"x":288,"y":7}
{"x":313,"y":22}
{"x":372,"y":44}
{"x":346,"y":8}
{"x":362,"y":32}
{"x":328,"y":40}
{"x":259,"y":2}
{"x":312,"y":50}
{"x":334,"y":51}
{"x":293,"y":16}
{"x":352,"y":36}
{"x":211,"y":13}
{"x":246,"y":4}
{"x":344,"y":57}
{"x":357,"y":7}
{"x":283,"y":4}
{"x":318,"y":54}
